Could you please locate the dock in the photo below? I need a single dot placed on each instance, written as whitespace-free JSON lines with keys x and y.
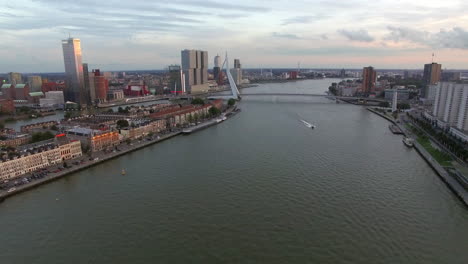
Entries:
{"x":395,"y":129}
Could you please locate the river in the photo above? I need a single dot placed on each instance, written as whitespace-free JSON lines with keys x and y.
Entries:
{"x":258,"y":188}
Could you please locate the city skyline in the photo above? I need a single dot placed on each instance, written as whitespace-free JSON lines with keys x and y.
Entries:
{"x":273,"y":34}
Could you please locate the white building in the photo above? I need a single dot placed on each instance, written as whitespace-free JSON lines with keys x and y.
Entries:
{"x":52,"y":99}
{"x":451,"y":104}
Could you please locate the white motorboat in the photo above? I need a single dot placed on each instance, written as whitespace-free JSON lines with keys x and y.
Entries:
{"x":307,"y":124}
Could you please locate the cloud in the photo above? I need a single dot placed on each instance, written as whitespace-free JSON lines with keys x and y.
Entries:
{"x":302,"y":19}
{"x":356,"y":35}
{"x":455,"y":38}
{"x":284,"y":35}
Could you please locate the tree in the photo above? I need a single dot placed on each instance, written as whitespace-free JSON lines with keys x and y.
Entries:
{"x":128,"y":141}
{"x":54,"y":127}
{"x":122,"y":123}
{"x":2,"y":125}
{"x":67,"y":115}
{"x":110,"y":110}
{"x":190,"y":119}
{"x":120,"y":109}
{"x":198,"y":101}
{"x":39,"y":136}
{"x":214,"y":111}
{"x":403,"y":106}
{"x":384,"y":104}
{"x":231,"y":102}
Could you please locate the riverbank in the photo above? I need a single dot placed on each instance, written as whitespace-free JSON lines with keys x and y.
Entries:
{"x":124,"y":149}
{"x":455,"y":186}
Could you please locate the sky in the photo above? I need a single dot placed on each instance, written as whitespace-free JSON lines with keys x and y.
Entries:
{"x":143,"y":34}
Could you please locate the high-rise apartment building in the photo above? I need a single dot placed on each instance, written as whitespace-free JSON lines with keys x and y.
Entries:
{"x":15,"y":78}
{"x":369,"y":77}
{"x":35,"y":83}
{"x":195,"y":68}
{"x":73,"y":70}
{"x":451,"y":104}
{"x":432,"y":74}
{"x":101,"y":85}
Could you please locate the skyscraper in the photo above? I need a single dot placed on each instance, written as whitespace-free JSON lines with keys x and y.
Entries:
{"x":432,"y":74}
{"x":73,"y":70}
{"x":177,"y":79}
{"x":15,"y":78}
{"x":369,"y":77}
{"x":35,"y":83}
{"x":217,"y":68}
{"x":236,"y":72}
{"x":86,"y":94}
{"x":195,"y":68}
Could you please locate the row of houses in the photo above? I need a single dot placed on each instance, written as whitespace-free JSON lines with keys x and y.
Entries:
{"x":30,"y":160}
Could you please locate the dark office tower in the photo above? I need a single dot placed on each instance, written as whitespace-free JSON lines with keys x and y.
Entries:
{"x":86,"y":95}
{"x":432,"y":74}
{"x":237,"y":64}
{"x":343,"y":73}
{"x":217,"y":68}
{"x":176,"y":79}
{"x":369,"y":77}
{"x":73,"y":70}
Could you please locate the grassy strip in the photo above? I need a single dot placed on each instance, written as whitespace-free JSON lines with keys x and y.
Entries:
{"x":441,"y":157}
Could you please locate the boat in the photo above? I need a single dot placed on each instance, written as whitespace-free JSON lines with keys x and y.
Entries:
{"x":409,"y":142}
{"x":307,"y":124}
{"x":123,"y":172}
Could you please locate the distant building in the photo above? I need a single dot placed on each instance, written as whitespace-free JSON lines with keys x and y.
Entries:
{"x":52,"y":99}
{"x":15,"y":78}
{"x":195,"y":68}
{"x":101,"y":86}
{"x":86,"y":94}
{"x":8,"y":91}
{"x":35,"y":83}
{"x":343,"y":73}
{"x":73,"y":70}
{"x":450,"y":105}
{"x":217,"y":69}
{"x":7,"y":106}
{"x":236,"y":72}
{"x":450,"y":76}
{"x":432,"y":74}
{"x":115,"y":95}
{"x":104,"y":141}
{"x":21,"y":91}
{"x":403,"y":94}
{"x":176,"y":79}
{"x":369,"y":78}
{"x":136,"y":88}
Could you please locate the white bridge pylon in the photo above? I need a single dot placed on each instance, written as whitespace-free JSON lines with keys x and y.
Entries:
{"x":232,"y":83}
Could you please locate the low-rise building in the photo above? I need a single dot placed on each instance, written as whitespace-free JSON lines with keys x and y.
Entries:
{"x":15,"y":139}
{"x":29,"y":160}
{"x":144,"y":129}
{"x":403,"y":94}
{"x":104,"y":141}
{"x":42,"y":125}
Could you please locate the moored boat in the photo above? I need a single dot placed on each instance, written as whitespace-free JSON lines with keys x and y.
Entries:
{"x":409,"y":142}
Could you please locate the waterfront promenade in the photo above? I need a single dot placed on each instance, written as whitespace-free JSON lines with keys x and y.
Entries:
{"x":99,"y":157}
{"x":451,"y":182}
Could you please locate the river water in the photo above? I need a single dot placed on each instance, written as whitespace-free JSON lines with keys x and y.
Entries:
{"x":258,"y":188}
